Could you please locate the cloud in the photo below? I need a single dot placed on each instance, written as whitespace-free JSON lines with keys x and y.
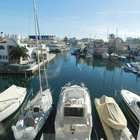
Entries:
{"x":117,"y":12}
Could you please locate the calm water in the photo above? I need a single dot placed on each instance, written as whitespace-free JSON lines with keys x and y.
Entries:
{"x":101,"y":78}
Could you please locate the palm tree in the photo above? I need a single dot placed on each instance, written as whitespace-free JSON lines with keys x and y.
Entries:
{"x":112,"y":36}
{"x":17,"y":52}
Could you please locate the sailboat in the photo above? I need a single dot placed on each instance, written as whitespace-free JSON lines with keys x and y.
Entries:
{"x":34,"y":115}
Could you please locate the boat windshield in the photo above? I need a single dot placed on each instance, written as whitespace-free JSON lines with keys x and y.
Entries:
{"x":138,"y":104}
{"x":36,"y":109}
{"x":75,"y":112}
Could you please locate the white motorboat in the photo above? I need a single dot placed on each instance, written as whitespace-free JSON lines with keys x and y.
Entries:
{"x":132,"y":100}
{"x":37,"y":110}
{"x":121,"y":58}
{"x":10,"y":100}
{"x":133,"y":67}
{"x":105,"y":55}
{"x":114,"y":56}
{"x":74,"y":118}
{"x":88,"y":55}
{"x":113,"y":121}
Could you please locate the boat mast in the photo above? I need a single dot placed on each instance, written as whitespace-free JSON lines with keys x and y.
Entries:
{"x":37,"y":42}
{"x":39,"y":39}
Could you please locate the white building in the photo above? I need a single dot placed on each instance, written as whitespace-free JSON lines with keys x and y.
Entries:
{"x":54,"y":43}
{"x":7,"y":42}
{"x":130,"y":40}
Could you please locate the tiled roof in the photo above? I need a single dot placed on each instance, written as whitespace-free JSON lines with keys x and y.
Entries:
{"x":2,"y":41}
{"x":32,"y":42}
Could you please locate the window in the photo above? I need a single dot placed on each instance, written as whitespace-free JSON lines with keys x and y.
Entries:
{"x":75,"y":112}
{"x":138,"y":103}
{"x":6,"y":57}
{"x":3,"y":57}
{"x":0,"y":57}
{"x":2,"y":47}
{"x":10,"y":47}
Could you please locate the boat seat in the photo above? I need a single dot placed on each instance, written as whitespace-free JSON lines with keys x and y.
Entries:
{"x":28,"y":121}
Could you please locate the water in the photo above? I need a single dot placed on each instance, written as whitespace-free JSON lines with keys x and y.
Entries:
{"x":101,"y":78}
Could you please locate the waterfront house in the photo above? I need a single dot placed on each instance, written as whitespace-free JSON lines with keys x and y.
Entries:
{"x":7,"y":42}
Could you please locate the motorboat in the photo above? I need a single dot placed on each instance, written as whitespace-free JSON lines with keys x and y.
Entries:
{"x":133,"y":67}
{"x":36,"y":112}
{"x":132,"y":100}
{"x":74,"y":117}
{"x":112,"y":119}
{"x":105,"y":55}
{"x":10,"y":100}
{"x":114,"y":56}
{"x":88,"y":55}
{"x":121,"y":58}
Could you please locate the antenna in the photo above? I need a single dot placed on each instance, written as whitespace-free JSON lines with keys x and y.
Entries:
{"x":107,"y":34}
{"x":117,"y":32}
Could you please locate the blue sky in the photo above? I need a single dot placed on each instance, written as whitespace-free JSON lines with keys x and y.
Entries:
{"x":72,"y":18}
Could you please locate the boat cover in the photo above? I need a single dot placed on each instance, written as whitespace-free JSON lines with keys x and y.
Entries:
{"x":111,"y":114}
{"x":10,"y":95}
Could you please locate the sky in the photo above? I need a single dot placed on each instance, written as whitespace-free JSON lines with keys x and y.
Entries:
{"x":72,"y":18}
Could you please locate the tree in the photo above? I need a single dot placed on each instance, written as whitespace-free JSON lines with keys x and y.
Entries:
{"x":17,"y":52}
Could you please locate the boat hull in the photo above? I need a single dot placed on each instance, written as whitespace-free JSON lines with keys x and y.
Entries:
{"x":9,"y":111}
{"x":5,"y":113}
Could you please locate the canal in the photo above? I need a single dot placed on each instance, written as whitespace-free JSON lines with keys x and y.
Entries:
{"x":100,"y":77}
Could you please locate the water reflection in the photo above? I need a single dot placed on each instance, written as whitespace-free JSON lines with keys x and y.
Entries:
{"x":109,"y":65}
{"x":7,"y":81}
{"x":55,"y":72}
{"x":101,"y":77}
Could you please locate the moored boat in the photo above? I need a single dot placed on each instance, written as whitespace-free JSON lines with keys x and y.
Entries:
{"x":74,"y":118}
{"x":132,"y":100}
{"x":113,"y":121}
{"x":10,"y":100}
{"x":36,"y":112}
{"x":33,"y":116}
{"x":133,"y":67}
{"x":121,"y":58}
{"x":105,"y":55}
{"x":114,"y":56}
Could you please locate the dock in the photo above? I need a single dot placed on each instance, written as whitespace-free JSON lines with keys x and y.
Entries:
{"x":18,"y":69}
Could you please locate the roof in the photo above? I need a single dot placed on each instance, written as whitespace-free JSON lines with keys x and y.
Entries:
{"x":31,"y":42}
{"x":2,"y":41}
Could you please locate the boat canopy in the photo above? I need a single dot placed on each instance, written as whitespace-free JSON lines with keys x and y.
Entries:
{"x":10,"y":96}
{"x":111,"y":113}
